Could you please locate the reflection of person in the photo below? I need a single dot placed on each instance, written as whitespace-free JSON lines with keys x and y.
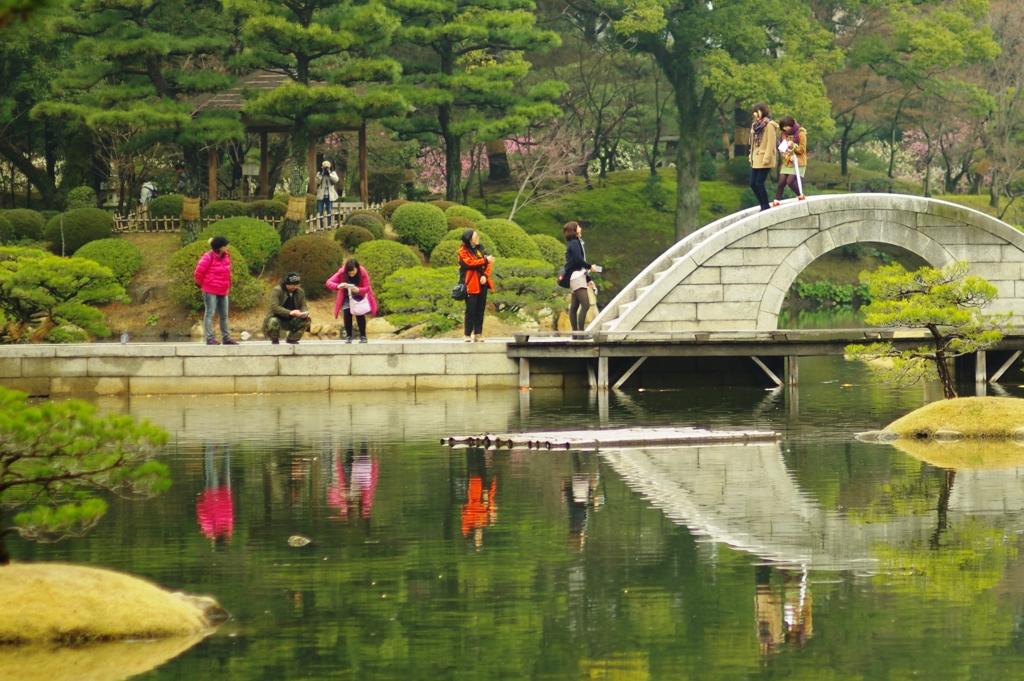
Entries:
{"x":475,"y":268}
{"x":352,"y":282}
{"x":326,"y":193}
{"x":213,"y":276}
{"x":481,"y":507}
{"x":214,"y":506}
{"x":577,"y":269}
{"x":355,"y":482}
{"x":580,"y":494}
{"x":287,"y":312}
{"x":795,"y":138}
{"x":762,"y":141}
{"x":783,"y":614}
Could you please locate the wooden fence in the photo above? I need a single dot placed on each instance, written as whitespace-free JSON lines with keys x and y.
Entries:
{"x":140,"y":221}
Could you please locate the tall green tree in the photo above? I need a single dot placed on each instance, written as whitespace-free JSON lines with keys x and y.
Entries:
{"x":948,"y":303}
{"x":461,"y":62}
{"x":333,"y":55}
{"x":747,"y":50}
{"x":139,"y":63}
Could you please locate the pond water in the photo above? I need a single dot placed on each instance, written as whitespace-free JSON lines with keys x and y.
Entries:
{"x":818,"y":557}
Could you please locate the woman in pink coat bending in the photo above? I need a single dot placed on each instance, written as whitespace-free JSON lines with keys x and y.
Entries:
{"x":355,"y":297}
{"x":213,"y":276}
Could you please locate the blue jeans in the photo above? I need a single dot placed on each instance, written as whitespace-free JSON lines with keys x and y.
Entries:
{"x":323,"y":207}
{"x":215,"y":305}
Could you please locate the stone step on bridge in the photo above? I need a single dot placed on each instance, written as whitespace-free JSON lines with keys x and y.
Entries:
{"x":733,"y":274}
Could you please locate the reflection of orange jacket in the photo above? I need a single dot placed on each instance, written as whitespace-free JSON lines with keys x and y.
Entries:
{"x":476,"y":263}
{"x":477,"y":511}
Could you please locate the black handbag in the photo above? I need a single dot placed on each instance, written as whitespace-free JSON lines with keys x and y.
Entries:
{"x":459,"y":291}
{"x":563,"y":277}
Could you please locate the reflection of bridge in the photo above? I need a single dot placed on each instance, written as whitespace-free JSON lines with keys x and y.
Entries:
{"x":744,"y":496}
{"x":731,"y":277}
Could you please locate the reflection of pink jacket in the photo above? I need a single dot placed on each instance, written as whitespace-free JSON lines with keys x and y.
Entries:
{"x":341,"y":277}
{"x":215,"y":512}
{"x":213,"y":273}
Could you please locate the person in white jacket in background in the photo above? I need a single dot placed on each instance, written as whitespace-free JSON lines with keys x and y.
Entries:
{"x":326,"y":193}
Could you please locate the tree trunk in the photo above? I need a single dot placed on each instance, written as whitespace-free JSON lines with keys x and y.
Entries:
{"x":942,"y":511}
{"x":452,"y":166}
{"x":688,"y":178}
{"x":298,"y":183}
{"x":5,"y":556}
{"x":994,"y":190}
{"x":36,"y":177}
{"x":497,"y":161}
{"x":193,"y":170}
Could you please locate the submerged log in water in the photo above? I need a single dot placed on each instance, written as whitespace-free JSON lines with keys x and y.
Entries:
{"x":614,"y":437}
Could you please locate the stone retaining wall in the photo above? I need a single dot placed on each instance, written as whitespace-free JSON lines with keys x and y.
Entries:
{"x":257,"y":367}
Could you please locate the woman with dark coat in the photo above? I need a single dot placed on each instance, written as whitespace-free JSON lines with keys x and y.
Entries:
{"x":762,"y":142}
{"x":475,"y":267}
{"x":577,"y":269}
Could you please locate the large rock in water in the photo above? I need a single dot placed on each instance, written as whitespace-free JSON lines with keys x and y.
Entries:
{"x":56,"y":603}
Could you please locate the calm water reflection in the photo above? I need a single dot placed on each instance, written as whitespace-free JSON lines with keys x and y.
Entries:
{"x":815,"y":558}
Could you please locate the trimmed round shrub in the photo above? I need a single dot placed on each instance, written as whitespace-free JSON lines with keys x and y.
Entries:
{"x":49,"y":215}
{"x":81,"y":197}
{"x":442,"y":204}
{"x":511,"y":240}
{"x":487,"y":242}
{"x":460,"y":211}
{"x":445,"y":254}
{"x":257,"y":241}
{"x":246,"y":291}
{"x":70,"y":231}
{"x":28,"y":224}
{"x":7,"y":233}
{"x":551,"y":249}
{"x":388,"y":209}
{"x":525,"y":285}
{"x":167,"y":206}
{"x":365,"y":211}
{"x":369,"y":223}
{"x":315,"y":257}
{"x":419,"y":295}
{"x":420,"y":225}
{"x":381,"y":258}
{"x":351,"y":236}
{"x":267,"y":210}
{"x":122,"y":257}
{"x":460,"y":223}
{"x":225,"y":209}
{"x":738,"y":170}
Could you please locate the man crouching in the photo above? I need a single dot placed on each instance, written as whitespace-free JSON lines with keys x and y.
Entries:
{"x":288,"y":311}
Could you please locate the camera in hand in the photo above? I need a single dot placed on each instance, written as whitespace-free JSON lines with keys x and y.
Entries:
{"x":598,"y":269}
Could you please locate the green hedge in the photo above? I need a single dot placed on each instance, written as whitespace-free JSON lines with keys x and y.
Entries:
{"x":551,"y":249}
{"x":382,"y":257}
{"x":70,"y":231}
{"x":420,"y":295}
{"x":225,"y":209}
{"x":524,"y":285}
{"x":510,"y":239}
{"x":28,"y":224}
{"x":267,"y":210}
{"x":246,"y":292}
{"x":257,"y":241}
{"x":445,"y":254}
{"x":167,"y":206}
{"x":365,"y":211}
{"x":460,"y":211}
{"x":490,"y":248}
{"x":442,"y":204}
{"x":122,"y":257}
{"x":315,"y":257}
{"x":367,"y":222}
{"x":351,"y":236}
{"x":460,"y":224}
{"x":420,"y":225}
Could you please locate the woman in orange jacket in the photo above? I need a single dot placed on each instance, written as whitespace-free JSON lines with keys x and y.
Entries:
{"x":796,"y":136}
{"x":475,"y":268}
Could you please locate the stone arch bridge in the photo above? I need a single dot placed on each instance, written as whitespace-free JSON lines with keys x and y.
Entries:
{"x":733,"y":274}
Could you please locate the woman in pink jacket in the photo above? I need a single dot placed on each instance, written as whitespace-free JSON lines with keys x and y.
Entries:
{"x":213,"y":276}
{"x":355,"y":296}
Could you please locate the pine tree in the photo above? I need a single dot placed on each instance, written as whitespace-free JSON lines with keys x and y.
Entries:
{"x":333,"y":56}
{"x":461,"y":62}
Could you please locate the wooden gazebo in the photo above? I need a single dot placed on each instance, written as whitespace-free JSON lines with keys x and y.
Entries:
{"x":234,"y":100}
